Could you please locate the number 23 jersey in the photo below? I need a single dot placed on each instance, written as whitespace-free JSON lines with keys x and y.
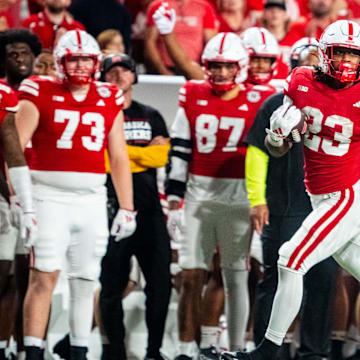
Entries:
{"x":218,"y":127}
{"x":332,"y":140}
{"x":71,"y":135}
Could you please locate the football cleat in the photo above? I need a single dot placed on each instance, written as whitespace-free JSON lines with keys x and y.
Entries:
{"x":183,"y":357}
{"x":236,"y":355}
{"x":62,"y":347}
{"x":209,"y":353}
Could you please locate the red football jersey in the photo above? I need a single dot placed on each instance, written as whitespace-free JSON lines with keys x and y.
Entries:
{"x":71,"y":135}
{"x":8,"y":103}
{"x":332,"y":141}
{"x":218,"y":127}
{"x":8,"y":100}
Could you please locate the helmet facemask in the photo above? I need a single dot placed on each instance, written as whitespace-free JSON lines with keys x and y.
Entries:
{"x":221,"y":86}
{"x":225,"y":48}
{"x":346,"y":72}
{"x":79,"y":75}
{"x":260,"y":78}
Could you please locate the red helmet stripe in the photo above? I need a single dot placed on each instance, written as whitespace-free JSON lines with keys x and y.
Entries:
{"x":351,"y":31}
{"x":78,"y":38}
{"x":263,"y":37}
{"x":222,"y":44}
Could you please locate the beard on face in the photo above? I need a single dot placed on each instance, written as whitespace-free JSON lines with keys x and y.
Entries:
{"x":56,"y":9}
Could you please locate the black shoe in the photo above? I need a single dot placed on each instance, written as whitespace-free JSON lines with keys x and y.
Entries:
{"x":158,"y":356}
{"x":62,"y":347}
{"x":78,"y":352}
{"x":34,"y":353}
{"x":235,"y":355}
{"x":209,"y":353}
{"x":183,"y":357}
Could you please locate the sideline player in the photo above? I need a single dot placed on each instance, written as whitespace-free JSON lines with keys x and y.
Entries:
{"x":329,"y":97}
{"x":71,"y":121}
{"x":207,"y":159}
{"x":264,"y":53}
{"x":19,"y":175}
{"x":18,"y":49}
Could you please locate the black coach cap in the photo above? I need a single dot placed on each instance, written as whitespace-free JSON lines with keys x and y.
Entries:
{"x":278,"y":3}
{"x":118,"y":59}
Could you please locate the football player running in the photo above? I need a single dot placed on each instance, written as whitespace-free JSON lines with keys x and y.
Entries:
{"x":71,"y":121}
{"x":207,"y":160}
{"x":329,"y":97}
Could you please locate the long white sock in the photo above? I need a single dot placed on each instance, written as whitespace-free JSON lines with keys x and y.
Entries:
{"x":237,"y":306}
{"x":286,"y":304}
{"x":81,"y":310}
{"x":209,"y":336}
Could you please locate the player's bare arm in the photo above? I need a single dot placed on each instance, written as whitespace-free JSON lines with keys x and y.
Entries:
{"x":13,"y":152}
{"x":26,"y":121}
{"x":119,"y":163}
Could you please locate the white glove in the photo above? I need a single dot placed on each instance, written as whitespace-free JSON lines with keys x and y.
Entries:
{"x":176,"y":223}
{"x":164,"y":19}
{"x":15,"y":211}
{"x":282,"y":121}
{"x":28,"y":229}
{"x":124,"y":224}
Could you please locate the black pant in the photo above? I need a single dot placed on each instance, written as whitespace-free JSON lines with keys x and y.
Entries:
{"x":151,"y":246}
{"x":319,"y":291}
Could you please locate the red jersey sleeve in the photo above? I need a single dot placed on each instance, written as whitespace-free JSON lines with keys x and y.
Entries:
{"x":298,"y":75}
{"x":185,"y":93}
{"x":150,"y":12}
{"x":210,"y":18}
{"x":30,"y":88}
{"x":8,"y":101}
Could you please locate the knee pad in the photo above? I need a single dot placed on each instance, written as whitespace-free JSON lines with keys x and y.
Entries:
{"x":285,"y":252}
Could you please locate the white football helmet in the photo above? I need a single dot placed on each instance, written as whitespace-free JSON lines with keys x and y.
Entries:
{"x":261,"y":43}
{"x":341,"y":34}
{"x":305,"y":43}
{"x":226,"y":47}
{"x":77,"y":43}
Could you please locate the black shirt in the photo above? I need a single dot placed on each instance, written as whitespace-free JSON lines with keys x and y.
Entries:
{"x":142,"y":123}
{"x":285,"y":189}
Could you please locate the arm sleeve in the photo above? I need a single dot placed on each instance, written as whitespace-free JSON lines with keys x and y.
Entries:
{"x":149,"y":156}
{"x":256,"y":166}
{"x":179,"y":156}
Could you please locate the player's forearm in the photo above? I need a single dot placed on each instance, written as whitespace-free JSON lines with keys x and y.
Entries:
{"x":256,"y":166}
{"x":155,"y":59}
{"x":277,"y":151}
{"x":13,"y":153}
{"x":122,"y":180}
{"x":180,"y":58}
